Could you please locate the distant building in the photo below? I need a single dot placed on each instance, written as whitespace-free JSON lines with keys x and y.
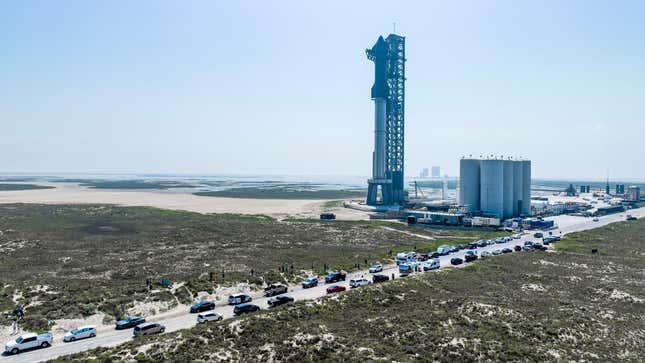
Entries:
{"x":424,"y":173}
{"x":633,"y":193}
{"x":436,"y":172}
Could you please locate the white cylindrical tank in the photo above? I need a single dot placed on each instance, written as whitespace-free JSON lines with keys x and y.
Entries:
{"x":492,"y":187}
{"x":469,"y":184}
{"x":518,"y":181}
{"x":508,"y":188}
{"x":526,"y":187}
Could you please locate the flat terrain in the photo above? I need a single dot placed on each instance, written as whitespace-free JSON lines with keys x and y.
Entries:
{"x":76,"y":261}
{"x":72,"y":193}
{"x":566,"y":305}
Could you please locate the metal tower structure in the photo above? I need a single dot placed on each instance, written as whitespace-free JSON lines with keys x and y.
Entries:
{"x":388,"y":93}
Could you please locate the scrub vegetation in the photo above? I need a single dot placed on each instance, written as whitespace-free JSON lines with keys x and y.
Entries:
{"x":569,"y":305}
{"x":67,"y":261}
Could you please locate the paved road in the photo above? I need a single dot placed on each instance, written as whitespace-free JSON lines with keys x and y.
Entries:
{"x":182,"y":320}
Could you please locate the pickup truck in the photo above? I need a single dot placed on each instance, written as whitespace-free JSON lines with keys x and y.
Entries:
{"x":274,"y":289}
{"x":28,"y":341}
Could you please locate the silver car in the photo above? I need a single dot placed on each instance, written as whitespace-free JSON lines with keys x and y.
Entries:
{"x":82,"y":332}
{"x":209,"y":316}
{"x":148,"y":328}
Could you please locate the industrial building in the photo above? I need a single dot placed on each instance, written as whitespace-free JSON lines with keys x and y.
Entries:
{"x":388,"y":93}
{"x":495,"y":187}
{"x":633,"y":193}
{"x":436,"y":172}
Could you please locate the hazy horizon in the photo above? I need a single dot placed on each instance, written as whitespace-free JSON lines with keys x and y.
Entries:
{"x":235,"y":88}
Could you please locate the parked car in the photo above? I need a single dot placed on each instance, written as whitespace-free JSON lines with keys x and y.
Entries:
{"x":456,"y":261}
{"x":485,"y":254}
{"x":517,"y":236}
{"x":422,"y":257}
{"x":129,"y":322}
{"x":482,"y":244}
{"x":596,"y":219}
{"x":461,"y":247}
{"x":471,"y":246}
{"x":275,"y":289}
{"x":279,"y":300}
{"x":83,"y":332}
{"x":506,"y":250}
{"x":335,"y":277}
{"x":28,"y":341}
{"x":376,"y":268}
{"x":538,"y":235}
{"x":354,"y":283}
{"x":432,"y":264}
{"x":239,"y":299}
{"x":528,"y":243}
{"x":245,"y":309}
{"x":335,"y":288}
{"x":209,"y":316}
{"x":310,"y":282}
{"x":470,"y":256}
{"x":379,"y":278}
{"x":454,"y":249}
{"x":148,"y":328}
{"x":539,"y":246}
{"x":202,"y":306}
{"x":527,"y":248}
{"x":497,"y":252}
{"x":434,"y":255}
{"x":631,"y":217}
{"x":443,"y":250}
{"x":517,"y":248}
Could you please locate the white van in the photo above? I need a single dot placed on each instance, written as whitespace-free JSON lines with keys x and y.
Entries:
{"x":431,"y":264}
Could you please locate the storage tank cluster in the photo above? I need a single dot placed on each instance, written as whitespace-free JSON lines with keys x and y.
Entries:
{"x":495,"y":186}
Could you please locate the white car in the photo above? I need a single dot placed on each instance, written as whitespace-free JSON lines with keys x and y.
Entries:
{"x":82,"y":332}
{"x":209,"y":316}
{"x":517,"y":236}
{"x":28,"y":341}
{"x":354,"y":283}
{"x":376,"y":268}
{"x":485,"y":254}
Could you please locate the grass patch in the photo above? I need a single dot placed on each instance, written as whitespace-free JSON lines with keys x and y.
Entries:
{"x":19,"y":186}
{"x":281,"y":192}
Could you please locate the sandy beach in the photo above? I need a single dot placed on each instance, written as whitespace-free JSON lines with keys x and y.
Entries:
{"x":72,"y":193}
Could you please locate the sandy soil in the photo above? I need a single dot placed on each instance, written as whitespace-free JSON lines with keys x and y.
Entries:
{"x":72,"y":193}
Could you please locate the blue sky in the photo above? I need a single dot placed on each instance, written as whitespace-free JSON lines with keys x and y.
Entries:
{"x":282,"y":87}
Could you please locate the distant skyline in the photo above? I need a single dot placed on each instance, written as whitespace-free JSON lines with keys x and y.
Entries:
{"x":270,"y":88}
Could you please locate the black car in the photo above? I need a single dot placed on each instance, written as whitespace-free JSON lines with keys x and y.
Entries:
{"x":461,"y":247}
{"x":202,"y":306}
{"x":279,"y":300}
{"x":537,"y":235}
{"x":379,"y":278}
{"x":470,"y":257}
{"x":528,"y":243}
{"x":130,"y":322}
{"x":539,"y":246}
{"x":456,"y":261}
{"x":454,"y":249}
{"x":434,"y":254}
{"x":517,"y":248}
{"x":506,"y":250}
{"x":334,"y":277}
{"x":245,"y":309}
{"x":471,"y":246}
